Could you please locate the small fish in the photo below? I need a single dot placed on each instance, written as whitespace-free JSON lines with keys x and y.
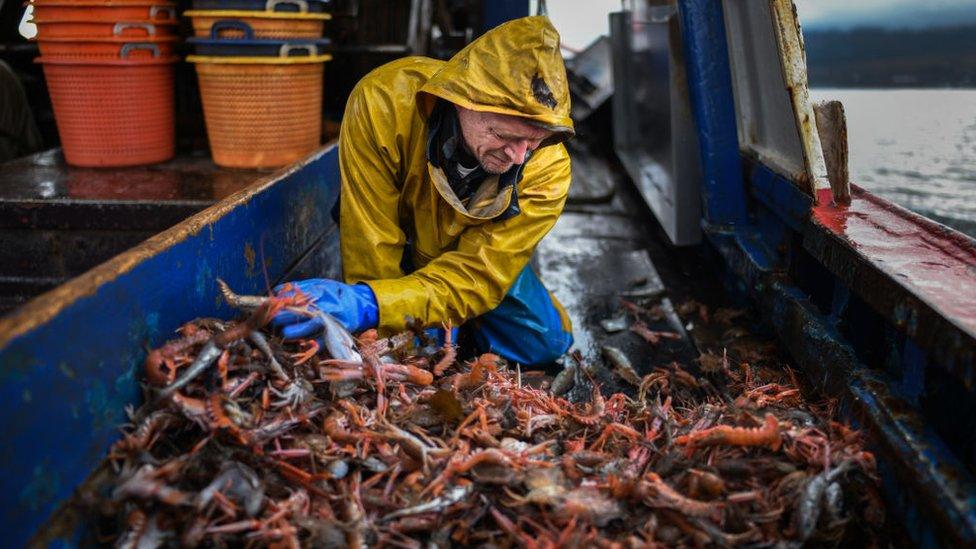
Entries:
{"x":205,"y":358}
{"x":239,"y":483}
{"x":810,"y":502}
{"x":262,"y":343}
{"x":834,"y":501}
{"x":338,"y":340}
{"x":564,"y":380}
{"x":450,"y":497}
{"x":621,"y":364}
{"x":808,"y":506}
{"x":615,"y":324}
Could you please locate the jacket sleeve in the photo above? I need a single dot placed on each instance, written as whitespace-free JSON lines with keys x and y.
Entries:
{"x":371,"y":240}
{"x":474,"y":278}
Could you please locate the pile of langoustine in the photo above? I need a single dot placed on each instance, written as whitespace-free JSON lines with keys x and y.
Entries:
{"x":246,"y":439}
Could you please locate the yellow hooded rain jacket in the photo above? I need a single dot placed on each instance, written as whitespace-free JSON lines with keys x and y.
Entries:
{"x":465,"y":261}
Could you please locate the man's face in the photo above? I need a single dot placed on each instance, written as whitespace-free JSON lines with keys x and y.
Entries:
{"x":498,"y":141}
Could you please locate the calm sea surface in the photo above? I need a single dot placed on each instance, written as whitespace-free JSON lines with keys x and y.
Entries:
{"x":916,"y":148}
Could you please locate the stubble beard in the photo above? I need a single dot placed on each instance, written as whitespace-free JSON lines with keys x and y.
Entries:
{"x":494,"y":168}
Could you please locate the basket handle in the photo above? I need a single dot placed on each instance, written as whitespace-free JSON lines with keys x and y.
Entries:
{"x":272,"y":4}
{"x":121,"y":26}
{"x":128,"y":47}
{"x":311,"y":50}
{"x":231,"y":24}
{"x":169,"y":11}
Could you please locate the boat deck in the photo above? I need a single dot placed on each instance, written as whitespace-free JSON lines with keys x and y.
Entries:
{"x":599,"y":255}
{"x":57,"y":221}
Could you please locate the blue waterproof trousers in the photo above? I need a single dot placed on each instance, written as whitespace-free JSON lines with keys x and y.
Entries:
{"x":529,"y":326}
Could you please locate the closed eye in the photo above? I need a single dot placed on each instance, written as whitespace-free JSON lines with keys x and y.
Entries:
{"x":533,"y":143}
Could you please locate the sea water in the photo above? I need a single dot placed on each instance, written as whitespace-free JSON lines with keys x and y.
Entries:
{"x":914,"y":147}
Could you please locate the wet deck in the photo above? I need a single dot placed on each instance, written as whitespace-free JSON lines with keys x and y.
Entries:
{"x":57,"y":221}
{"x":599,"y":253}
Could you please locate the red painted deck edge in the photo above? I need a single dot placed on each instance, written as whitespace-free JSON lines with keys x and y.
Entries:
{"x":936,"y":263}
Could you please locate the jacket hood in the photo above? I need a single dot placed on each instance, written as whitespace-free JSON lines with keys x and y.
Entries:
{"x":516,"y":69}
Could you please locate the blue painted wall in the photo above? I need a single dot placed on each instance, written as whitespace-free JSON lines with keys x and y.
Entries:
{"x":64,"y":384}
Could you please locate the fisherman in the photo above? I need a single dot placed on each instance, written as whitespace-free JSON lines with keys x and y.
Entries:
{"x":452,"y":172}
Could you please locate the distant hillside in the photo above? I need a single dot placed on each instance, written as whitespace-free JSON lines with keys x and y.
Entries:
{"x":868,"y":57}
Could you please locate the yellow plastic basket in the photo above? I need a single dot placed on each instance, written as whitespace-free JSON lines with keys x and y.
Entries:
{"x":261,"y":112}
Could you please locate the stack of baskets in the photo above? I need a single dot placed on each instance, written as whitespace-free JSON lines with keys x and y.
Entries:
{"x":260,"y":65}
{"x":109,"y":71}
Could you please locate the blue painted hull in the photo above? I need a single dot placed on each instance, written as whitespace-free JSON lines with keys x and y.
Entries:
{"x":70,"y":361}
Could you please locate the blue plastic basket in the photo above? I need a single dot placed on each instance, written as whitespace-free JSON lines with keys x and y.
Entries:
{"x":297,"y":6}
{"x":251,"y":47}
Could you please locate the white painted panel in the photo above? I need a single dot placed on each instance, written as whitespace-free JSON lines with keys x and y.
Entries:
{"x":766,"y":124}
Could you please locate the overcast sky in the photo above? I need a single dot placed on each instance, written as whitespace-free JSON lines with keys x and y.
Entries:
{"x":884,"y":13}
{"x":581,"y":21}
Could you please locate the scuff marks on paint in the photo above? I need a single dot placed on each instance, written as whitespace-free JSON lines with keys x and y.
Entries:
{"x":45,"y":483}
{"x":249,"y":258}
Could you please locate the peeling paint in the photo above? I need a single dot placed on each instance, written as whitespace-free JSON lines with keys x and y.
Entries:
{"x":100,"y":405}
{"x":249,"y":258}
{"x":204,"y":280}
{"x":66,"y":370}
{"x":45,"y":483}
{"x":794,"y":65}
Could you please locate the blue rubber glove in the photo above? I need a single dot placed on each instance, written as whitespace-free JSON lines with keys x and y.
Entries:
{"x":354,"y":305}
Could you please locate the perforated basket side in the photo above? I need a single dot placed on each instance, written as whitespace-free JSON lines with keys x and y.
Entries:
{"x":262,"y":115}
{"x":113,"y":115}
{"x":282,"y":29}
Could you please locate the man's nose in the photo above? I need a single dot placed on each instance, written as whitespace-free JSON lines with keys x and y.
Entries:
{"x":517,"y":151}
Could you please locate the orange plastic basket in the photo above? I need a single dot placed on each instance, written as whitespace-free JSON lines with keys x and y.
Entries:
{"x":261,"y":112}
{"x":112,"y":113}
{"x":47,"y":30}
{"x":108,"y":48}
{"x":106,"y":11}
{"x":278,"y":25}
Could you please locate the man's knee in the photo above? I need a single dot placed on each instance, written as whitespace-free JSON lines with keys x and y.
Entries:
{"x":530,"y":326}
{"x":526,"y":345}
{"x":547,"y":347}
